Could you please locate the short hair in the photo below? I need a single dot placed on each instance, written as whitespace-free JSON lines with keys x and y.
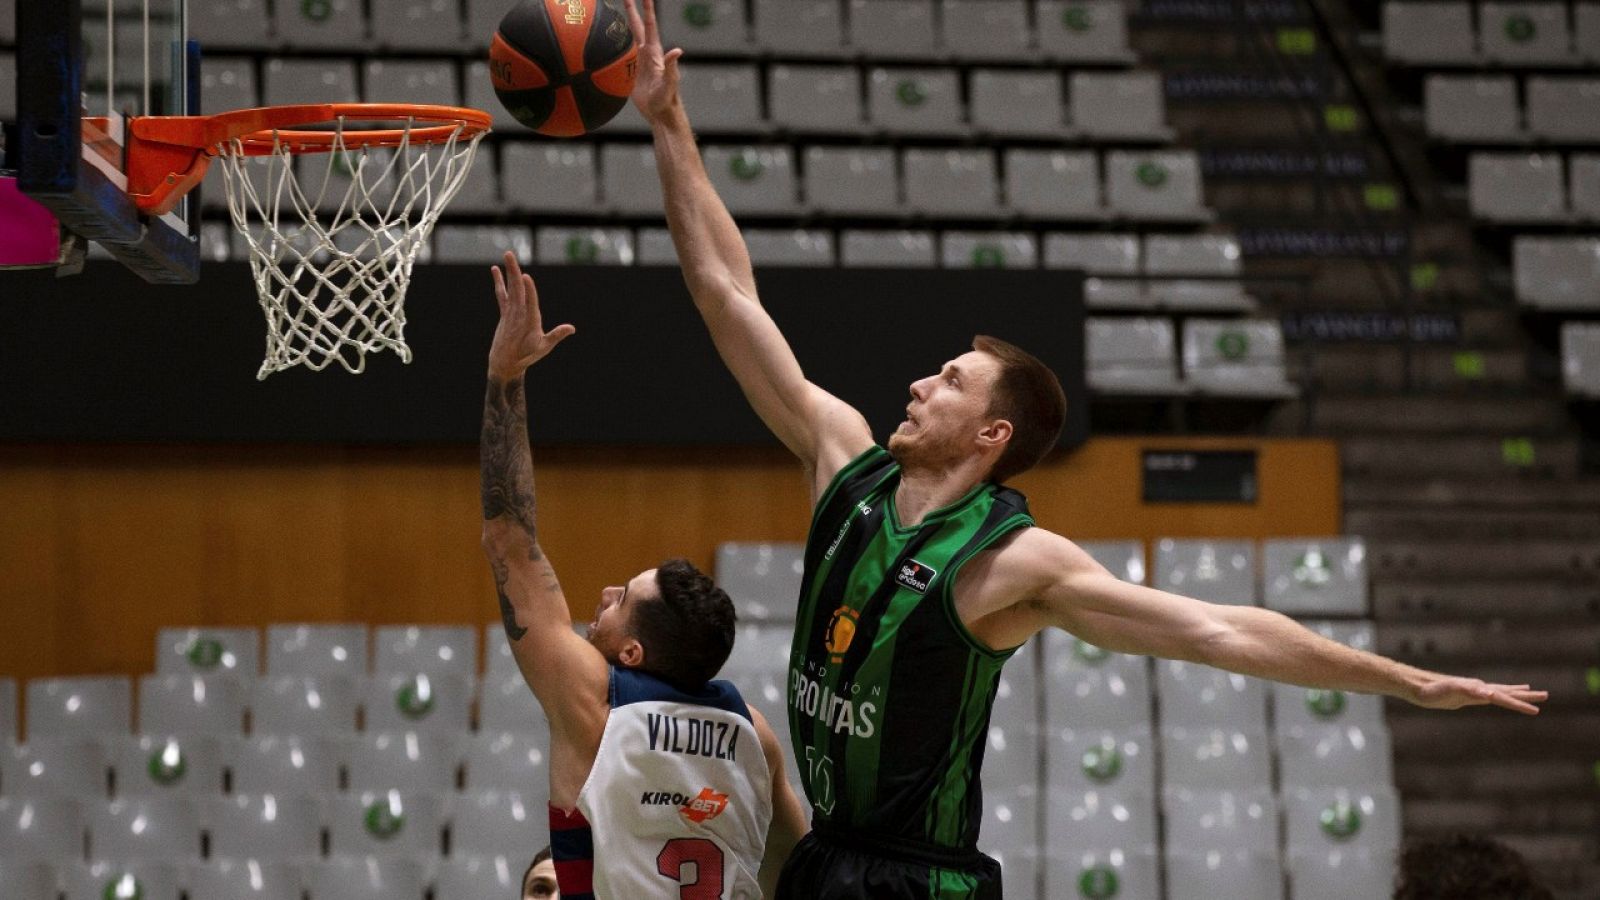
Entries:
{"x":1029,"y":396}
{"x":539,"y":857}
{"x":687,"y":633}
{"x":1466,"y":867}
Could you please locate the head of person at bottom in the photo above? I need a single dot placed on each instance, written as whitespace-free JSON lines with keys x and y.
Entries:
{"x":1466,"y":867}
{"x":995,"y":409}
{"x":672,"y":622}
{"x":539,"y":882}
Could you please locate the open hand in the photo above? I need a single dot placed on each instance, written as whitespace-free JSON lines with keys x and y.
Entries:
{"x":1449,"y":692}
{"x":655,"y":88}
{"x":520,"y":339}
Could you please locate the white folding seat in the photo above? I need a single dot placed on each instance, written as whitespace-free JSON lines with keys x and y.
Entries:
{"x":1556,"y":272}
{"x":317,"y":650}
{"x":1115,"y":761}
{"x":93,"y":707}
{"x":510,"y":762}
{"x":28,"y":880}
{"x":480,"y":95}
{"x":1200,"y":254}
{"x":191,"y":705}
{"x":584,"y":246}
{"x":332,"y":23}
{"x":51,"y":767}
{"x":753,"y":179}
{"x":388,"y":824}
{"x":497,"y":823}
{"x":294,"y":704}
{"x":1206,"y":820}
{"x":1075,"y":31}
{"x":1096,"y":254}
{"x":1016,"y":702}
{"x":1216,"y":571}
{"x":208,"y":651}
{"x":1580,"y":358}
{"x":723,"y":97}
{"x":1053,"y":184}
{"x":228,"y":83}
{"x":1340,"y":873}
{"x":951,"y":182}
{"x":1516,"y":187}
{"x":1564,"y":109}
{"x":1191,"y":295}
{"x":656,"y":248}
{"x":815,"y":98}
{"x":987,"y":29}
{"x":1585,"y":187}
{"x":1132,"y":355}
{"x":893,"y":29}
{"x":1099,"y":821}
{"x":404,"y":761}
{"x":476,"y":877}
{"x":789,"y":247}
{"x":1018,"y":103}
{"x":1586,"y":32}
{"x":481,"y":243}
{"x":368,"y":878}
{"x":1220,"y":758}
{"x":1298,"y":707}
{"x":1321,"y":576}
{"x":762,"y":578}
{"x":1156,"y":186}
{"x":989,"y":250}
{"x":1428,"y":32}
{"x":1335,"y":756}
{"x":1240,"y":875}
{"x":295,"y":81}
{"x":1124,"y":559}
{"x":550,"y":176}
{"x":435,"y":649}
{"x":890,"y":249}
{"x":1238,"y":358}
{"x":8,"y":711}
{"x":417,"y":24}
{"x":157,"y":766}
{"x":915,"y":101}
{"x":505,"y":703}
{"x":1472,"y":108}
{"x":1087,"y":687}
{"x":47,"y":829}
{"x":145,"y":828}
{"x":1011,"y":759}
{"x":392,"y":81}
{"x":247,"y":879}
{"x":285,"y":764}
{"x":1323,"y":819}
{"x":1119,"y":106}
{"x":705,"y":26}
{"x":859,"y":180}
{"x":1199,"y":696}
{"x":440,"y":704}
{"x":800,"y":27}
{"x":629,"y":180}
{"x":1104,"y":873}
{"x":141,"y":879}
{"x":1520,"y":32}
{"x":1010,"y":820}
{"x":1115,"y":293}
{"x":273,"y":827}
{"x":229,"y":23}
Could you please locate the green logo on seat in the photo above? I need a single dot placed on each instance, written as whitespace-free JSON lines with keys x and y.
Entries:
{"x":1311,"y":570}
{"x":1103,"y":763}
{"x":1521,"y":29}
{"x":1088,"y":652}
{"x":1077,"y":18}
{"x":317,"y":10}
{"x":582,"y":250}
{"x":988,"y":256}
{"x":1325,"y":704}
{"x":167,"y":766}
{"x":1341,"y":821}
{"x":746,"y":165}
{"x":415,"y":697}
{"x":698,"y":15}
{"x":910,"y":93}
{"x":1151,"y":174}
{"x":1518,"y":452}
{"x":384,"y":820}
{"x":205,"y":653}
{"x":1233,"y":345}
{"x":1098,"y":883}
{"x":123,"y":887}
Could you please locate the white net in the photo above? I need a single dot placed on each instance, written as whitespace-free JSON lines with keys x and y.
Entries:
{"x":333,"y":237}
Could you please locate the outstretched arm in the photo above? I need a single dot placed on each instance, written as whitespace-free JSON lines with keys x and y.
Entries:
{"x":564,"y":671}
{"x":1078,"y":595}
{"x":823,"y":431}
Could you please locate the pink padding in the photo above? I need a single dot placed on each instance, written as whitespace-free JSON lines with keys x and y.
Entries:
{"x":29,"y":235}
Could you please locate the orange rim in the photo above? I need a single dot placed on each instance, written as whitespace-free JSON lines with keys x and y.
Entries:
{"x":447,"y":122}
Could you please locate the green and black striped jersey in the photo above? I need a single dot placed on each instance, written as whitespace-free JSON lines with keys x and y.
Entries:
{"x":889,"y":694}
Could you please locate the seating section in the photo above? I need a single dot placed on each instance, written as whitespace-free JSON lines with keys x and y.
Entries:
{"x":1580,"y":359}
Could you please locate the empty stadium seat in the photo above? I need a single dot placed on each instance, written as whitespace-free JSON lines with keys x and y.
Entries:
{"x":584,"y":246}
{"x":1193,"y":295}
{"x":295,"y":81}
{"x":1560,"y":273}
{"x":481,"y":243}
{"x":1473,"y":108}
{"x":29,"y":880}
{"x":1297,"y":707}
{"x":1053,"y":184}
{"x":91,"y":707}
{"x":285,"y":764}
{"x":439,"y":704}
{"x":410,"y":761}
{"x":1216,"y":571}
{"x":227,"y":83}
{"x":367,"y":878}
{"x":1317,"y":820}
{"x":789,"y":246}
{"x":510,"y":762}
{"x":1099,"y":822}
{"x":295,"y":704}
{"x":1338,"y":874}
{"x":1586,"y":32}
{"x":54,"y":767}
{"x":1111,"y":106}
{"x":1220,"y":758}
{"x":656,"y":247}
{"x":723,"y":97}
{"x":157,"y":766}
{"x":1563,"y":109}
{"x":394,"y":81}
{"x":417,"y":24}
{"x":145,"y":828}
{"x":45,"y":829}
{"x":505,"y":703}
{"x":1326,"y":576}
{"x":1236,"y":358}
{"x":553,"y":176}
{"x":1241,"y":875}
{"x":893,"y":29}
{"x":753,"y":179}
{"x":208,"y":651}
{"x":1424,"y":32}
{"x":435,"y":649}
{"x":332,"y":24}
{"x":1585,"y":195}
{"x":1335,"y":756}
{"x":1155,"y":186}
{"x":1096,"y":254}
{"x":1207,"y":820}
{"x":988,"y":250}
{"x":815,"y":98}
{"x":191,"y":705}
{"x":229,"y":23}
{"x":915,"y":101}
{"x":892,"y":249}
{"x":1132,"y":356}
{"x":1200,"y":696}
{"x":1018,"y":103}
{"x":246,"y":879}
{"x":951,"y":182}
{"x":281,"y":827}
{"x":1200,"y":254}
{"x":1580,"y":358}
{"x":317,"y":650}
{"x":141,"y":879}
{"x":477,"y":877}
{"x":800,"y":27}
{"x":1074,"y":31}
{"x":1523,"y":33}
{"x":388,"y":824}
{"x":1087,"y":687}
{"x":1010,"y":818}
{"x":705,"y":26}
{"x":1102,"y":873}
{"x":498,"y":823}
{"x":1124,"y":559}
{"x":860,"y":180}
{"x":987,"y":29}
{"x":1011,"y":759}
{"x":1122,"y":761}
{"x":1517,"y":187}
{"x":1016,"y":702}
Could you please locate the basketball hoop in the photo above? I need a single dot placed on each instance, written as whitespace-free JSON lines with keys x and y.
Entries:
{"x":332,"y":240}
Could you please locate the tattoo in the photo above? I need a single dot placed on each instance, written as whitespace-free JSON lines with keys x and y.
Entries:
{"x":508,"y":613}
{"x":507,"y":462}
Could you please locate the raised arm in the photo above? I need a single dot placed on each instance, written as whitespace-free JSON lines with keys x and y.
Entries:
{"x":823,"y":431}
{"x":564,"y":671}
{"x":1078,"y":595}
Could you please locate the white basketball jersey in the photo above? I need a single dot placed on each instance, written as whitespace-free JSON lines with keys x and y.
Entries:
{"x":679,"y":800}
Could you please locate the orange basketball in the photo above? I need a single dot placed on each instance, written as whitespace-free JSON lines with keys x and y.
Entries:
{"x":564,"y":67}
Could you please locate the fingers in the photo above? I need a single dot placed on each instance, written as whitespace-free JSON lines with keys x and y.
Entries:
{"x":560,"y":333}
{"x":499,"y":284}
{"x":652,"y":34}
{"x":635,"y":23}
{"x":1507,"y":701}
{"x":670,"y":61}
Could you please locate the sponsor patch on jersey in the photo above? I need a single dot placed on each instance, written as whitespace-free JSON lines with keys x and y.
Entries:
{"x":915,"y":575}
{"x":841,"y":632}
{"x":705,"y":807}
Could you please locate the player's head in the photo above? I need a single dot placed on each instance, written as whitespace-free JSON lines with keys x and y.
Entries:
{"x":671,"y":621}
{"x":539,"y":882}
{"x":1466,"y":868}
{"x":996,"y":401}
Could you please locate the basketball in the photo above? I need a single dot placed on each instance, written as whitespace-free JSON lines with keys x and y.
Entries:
{"x":564,"y":67}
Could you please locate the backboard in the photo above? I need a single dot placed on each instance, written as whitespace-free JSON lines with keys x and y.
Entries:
{"x":84,"y":67}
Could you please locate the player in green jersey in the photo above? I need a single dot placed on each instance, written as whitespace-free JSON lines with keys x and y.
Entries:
{"x":923,"y":573}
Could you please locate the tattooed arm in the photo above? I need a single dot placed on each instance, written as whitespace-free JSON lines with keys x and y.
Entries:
{"x":565,"y":672}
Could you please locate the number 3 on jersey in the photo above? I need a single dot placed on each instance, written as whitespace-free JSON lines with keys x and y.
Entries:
{"x":706,"y":858}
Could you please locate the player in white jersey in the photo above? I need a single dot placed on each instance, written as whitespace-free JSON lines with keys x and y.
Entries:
{"x":663,"y":783}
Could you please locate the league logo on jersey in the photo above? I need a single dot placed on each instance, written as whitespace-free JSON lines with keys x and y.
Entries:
{"x":915,"y":575}
{"x":705,"y":807}
{"x":841,"y":632}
